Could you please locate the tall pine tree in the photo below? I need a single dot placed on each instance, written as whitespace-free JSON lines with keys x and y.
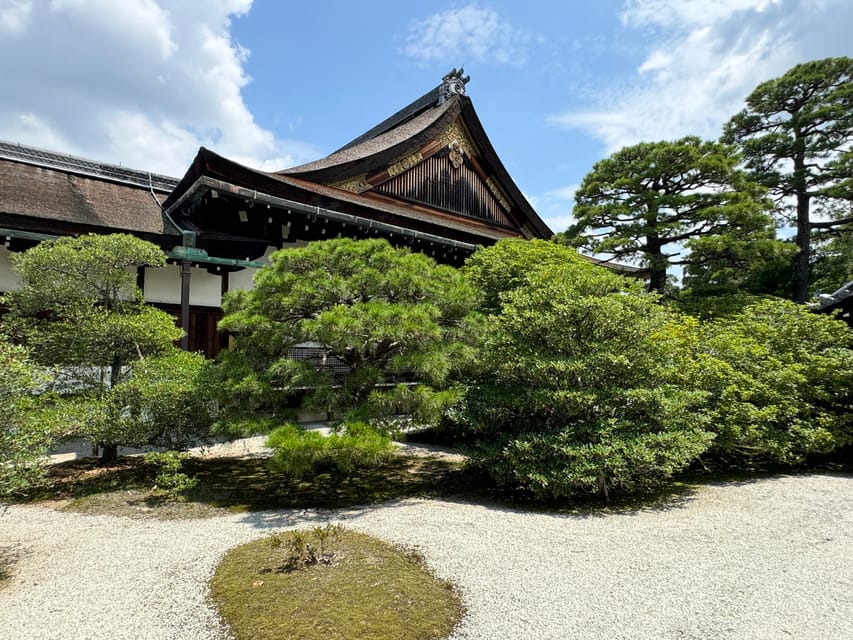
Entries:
{"x":795,"y":134}
{"x":647,"y":201}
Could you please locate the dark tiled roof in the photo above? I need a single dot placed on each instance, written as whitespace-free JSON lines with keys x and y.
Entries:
{"x":83,"y":167}
{"x":381,"y":138}
{"x":67,"y":197}
{"x":624,"y":269}
{"x":426,"y":101}
{"x":841,"y":302}
{"x":832,"y":300}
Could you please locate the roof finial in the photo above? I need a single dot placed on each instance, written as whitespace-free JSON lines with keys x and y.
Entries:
{"x":453,"y":83}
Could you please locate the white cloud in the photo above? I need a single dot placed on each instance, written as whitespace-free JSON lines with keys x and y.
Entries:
{"x":469,"y":33}
{"x":686,"y":12}
{"x":555,"y":206}
{"x":143,"y":83}
{"x":703,"y":59}
{"x":564,"y":193}
{"x":14,"y":15}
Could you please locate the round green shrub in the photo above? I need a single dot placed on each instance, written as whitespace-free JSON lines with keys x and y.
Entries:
{"x":578,"y":393}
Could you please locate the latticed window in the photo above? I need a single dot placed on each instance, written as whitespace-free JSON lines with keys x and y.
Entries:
{"x":318,"y":356}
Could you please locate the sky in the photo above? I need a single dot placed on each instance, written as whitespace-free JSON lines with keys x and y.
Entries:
{"x":558,"y":85}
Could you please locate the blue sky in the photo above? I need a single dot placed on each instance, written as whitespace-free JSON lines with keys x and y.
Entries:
{"x":558,"y":85}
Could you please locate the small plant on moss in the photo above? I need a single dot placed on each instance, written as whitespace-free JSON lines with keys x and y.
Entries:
{"x":304,"y":549}
{"x":169,"y":477}
{"x":326,"y":535}
{"x":411,"y":553}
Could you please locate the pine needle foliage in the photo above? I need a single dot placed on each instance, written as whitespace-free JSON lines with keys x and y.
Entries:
{"x":380,"y":313}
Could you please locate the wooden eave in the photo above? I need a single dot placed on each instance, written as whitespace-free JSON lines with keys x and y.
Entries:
{"x":50,"y":226}
{"x":212,"y":171}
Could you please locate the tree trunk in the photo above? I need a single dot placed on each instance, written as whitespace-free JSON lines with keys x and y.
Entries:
{"x":115,"y":370}
{"x":657,"y":280}
{"x":804,"y":230}
{"x":602,"y":487}
{"x":657,"y":264}
{"x":109,"y":453}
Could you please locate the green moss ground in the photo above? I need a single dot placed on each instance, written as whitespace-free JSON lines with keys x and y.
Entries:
{"x":371,"y":590}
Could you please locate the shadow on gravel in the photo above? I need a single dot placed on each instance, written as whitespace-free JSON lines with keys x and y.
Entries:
{"x":248,"y":485}
{"x":126,"y":487}
{"x":477,"y":491}
{"x":9,"y":557}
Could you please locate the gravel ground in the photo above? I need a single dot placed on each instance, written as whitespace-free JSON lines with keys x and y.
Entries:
{"x":767,"y":559}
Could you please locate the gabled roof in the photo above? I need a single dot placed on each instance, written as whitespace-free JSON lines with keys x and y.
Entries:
{"x":426,"y":101}
{"x":442,"y":122}
{"x":53,"y":192}
{"x":370,"y":151}
{"x":428,"y":169}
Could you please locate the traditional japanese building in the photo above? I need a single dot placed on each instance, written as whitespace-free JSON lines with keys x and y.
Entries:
{"x":839,"y":302}
{"x":426,"y":178}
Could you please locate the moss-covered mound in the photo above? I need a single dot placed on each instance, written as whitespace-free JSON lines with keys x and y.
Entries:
{"x":331,"y":584}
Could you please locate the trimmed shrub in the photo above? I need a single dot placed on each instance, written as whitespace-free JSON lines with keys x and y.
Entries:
{"x":166,"y":401}
{"x":578,"y":394}
{"x":379,"y":314}
{"x":169,"y":478}
{"x":779,"y":380}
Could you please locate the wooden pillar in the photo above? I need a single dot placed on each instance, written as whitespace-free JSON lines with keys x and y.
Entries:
{"x":223,"y":280}
{"x":185,"y":304}
{"x":140,"y":279}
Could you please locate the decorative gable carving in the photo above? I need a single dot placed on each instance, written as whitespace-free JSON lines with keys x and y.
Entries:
{"x":359,"y":184}
{"x":448,"y":181}
{"x":396,"y":168}
{"x":457,"y":133}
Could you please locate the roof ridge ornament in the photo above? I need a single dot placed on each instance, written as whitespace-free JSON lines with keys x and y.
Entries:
{"x":452,"y":84}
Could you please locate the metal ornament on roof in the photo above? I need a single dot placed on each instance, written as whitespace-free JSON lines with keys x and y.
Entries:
{"x":455,"y":155}
{"x":453,"y":84}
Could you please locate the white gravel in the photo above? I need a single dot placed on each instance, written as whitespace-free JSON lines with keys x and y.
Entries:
{"x":769,"y":559}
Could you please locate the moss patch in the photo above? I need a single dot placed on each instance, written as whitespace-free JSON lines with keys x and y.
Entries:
{"x":370,"y":589}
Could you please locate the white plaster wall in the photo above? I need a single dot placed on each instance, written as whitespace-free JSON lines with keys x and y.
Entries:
{"x":205,"y":288}
{"x":164,"y":285}
{"x":9,"y":280}
{"x":244,"y":279}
